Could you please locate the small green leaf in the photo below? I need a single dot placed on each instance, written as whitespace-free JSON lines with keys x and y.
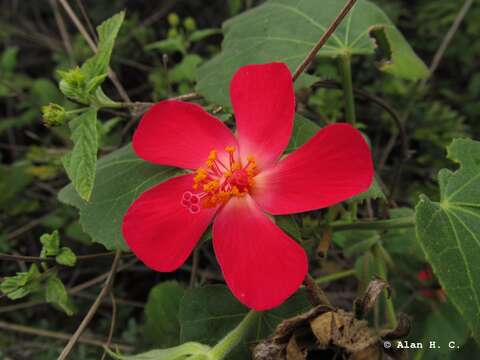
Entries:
{"x":50,"y":244}
{"x":80,"y":162}
{"x":449,"y":230}
{"x":199,"y":35}
{"x":120,"y":178}
{"x":175,"y":353}
{"x":167,"y":46}
{"x":97,"y":66}
{"x":186,"y":70}
{"x":282,"y":30}
{"x":162,"y":327}
{"x":24,"y":283}
{"x":56,"y":293}
{"x":374,"y":192}
{"x":66,"y":257}
{"x":208,"y":313}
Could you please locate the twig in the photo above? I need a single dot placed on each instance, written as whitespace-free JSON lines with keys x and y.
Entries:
{"x":113,"y":77}
{"x":63,"y":30}
{"x":421,"y":85}
{"x":437,"y":58}
{"x":87,"y":20}
{"x":88,"y":340}
{"x":8,"y":257}
{"x":24,"y":228}
{"x":144,"y":106}
{"x":108,"y":284}
{"x":195,"y":260}
{"x":72,"y":291}
{"x":331,"y":84}
{"x":112,"y":324}
{"x":326,"y":35}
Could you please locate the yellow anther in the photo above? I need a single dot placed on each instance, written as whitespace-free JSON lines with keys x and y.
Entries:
{"x":236,"y":166}
{"x":227,"y":173}
{"x":250,"y":158}
{"x":213,"y":155}
{"x":230,"y":149}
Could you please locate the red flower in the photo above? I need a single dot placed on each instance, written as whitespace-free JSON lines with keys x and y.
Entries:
{"x":238,"y":180}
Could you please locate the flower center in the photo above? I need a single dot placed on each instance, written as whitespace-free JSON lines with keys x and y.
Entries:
{"x":220,"y":180}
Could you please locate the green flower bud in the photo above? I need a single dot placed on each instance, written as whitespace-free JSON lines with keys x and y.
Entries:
{"x":73,"y":84}
{"x":53,"y":115}
{"x":190,"y":24}
{"x":73,"y":77}
{"x":172,"y":33}
{"x":173,"y":19}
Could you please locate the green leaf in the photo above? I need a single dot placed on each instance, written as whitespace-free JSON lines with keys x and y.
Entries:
{"x":66,"y":257}
{"x":374,"y":192}
{"x":449,"y":230}
{"x":162,"y":327}
{"x":13,"y":179}
{"x":186,"y":70}
{"x":120,"y":178}
{"x":280,"y":30}
{"x":208,"y":313}
{"x":98,"y":64}
{"x":440,"y":323}
{"x":168,"y":46}
{"x":24,"y":283}
{"x":57,"y":294}
{"x":175,"y":353}
{"x":8,"y":60}
{"x":303,"y":130}
{"x":50,"y":244}
{"x":80,"y":162}
{"x":288,"y":224}
{"x":199,"y":35}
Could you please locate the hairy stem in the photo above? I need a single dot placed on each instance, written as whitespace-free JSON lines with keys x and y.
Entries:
{"x":335,"y":276}
{"x":233,"y":338}
{"x":346,"y":75}
{"x":382,"y":272}
{"x":403,"y":222}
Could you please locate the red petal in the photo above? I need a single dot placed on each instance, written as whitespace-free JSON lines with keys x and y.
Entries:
{"x":333,"y":166}
{"x":159,"y":230}
{"x":180,"y":134}
{"x":260,"y":263}
{"x":263,"y":100}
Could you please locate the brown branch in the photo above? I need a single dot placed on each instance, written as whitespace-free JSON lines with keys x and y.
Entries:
{"x":93,"y":309}
{"x":316,"y":294}
{"x":88,"y":340}
{"x":323,"y":39}
{"x":63,"y":30}
{"x":112,"y":324}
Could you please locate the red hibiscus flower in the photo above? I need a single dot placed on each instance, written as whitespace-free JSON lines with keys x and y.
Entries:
{"x":237,"y":180}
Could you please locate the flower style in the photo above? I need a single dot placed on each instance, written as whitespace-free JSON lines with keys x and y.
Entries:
{"x":236,"y":180}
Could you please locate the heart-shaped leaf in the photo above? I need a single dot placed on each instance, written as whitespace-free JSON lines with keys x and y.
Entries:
{"x":449,"y":231}
{"x":282,"y":30}
{"x":120,"y":178}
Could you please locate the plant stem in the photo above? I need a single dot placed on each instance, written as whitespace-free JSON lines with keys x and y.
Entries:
{"x":346,"y":75}
{"x":323,"y":39}
{"x":404,"y":222}
{"x":382,"y":272}
{"x":233,"y":338}
{"x":335,"y":276}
